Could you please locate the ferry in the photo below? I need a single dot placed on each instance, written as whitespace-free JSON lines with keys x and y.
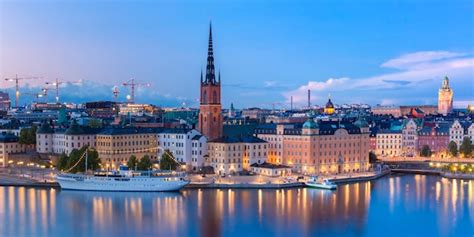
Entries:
{"x":124,"y":181}
{"x":325,"y":184}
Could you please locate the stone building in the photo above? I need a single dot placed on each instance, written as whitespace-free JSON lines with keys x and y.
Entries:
{"x":389,"y":143}
{"x":9,"y":145}
{"x":435,"y":137}
{"x":323,"y":147}
{"x":410,"y":138}
{"x":228,"y":155}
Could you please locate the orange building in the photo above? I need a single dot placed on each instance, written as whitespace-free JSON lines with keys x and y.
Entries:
{"x":324,"y":147}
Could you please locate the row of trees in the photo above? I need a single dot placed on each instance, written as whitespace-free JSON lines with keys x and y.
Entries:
{"x":65,"y":162}
{"x":167,"y":162}
{"x":28,"y":135}
{"x":465,"y":149}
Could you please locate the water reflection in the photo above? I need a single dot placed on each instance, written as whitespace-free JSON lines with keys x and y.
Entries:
{"x":398,"y":204}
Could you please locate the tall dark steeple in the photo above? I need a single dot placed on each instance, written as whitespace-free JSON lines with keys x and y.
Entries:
{"x":210,"y":109}
{"x":210,"y":70}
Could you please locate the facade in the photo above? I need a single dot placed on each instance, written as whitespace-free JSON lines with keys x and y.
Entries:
{"x":410,"y":138}
{"x":387,"y":110}
{"x":116,"y":145}
{"x":458,"y":131}
{"x":9,"y":145}
{"x":64,"y":141}
{"x":186,"y":145}
{"x":324,"y":147}
{"x":4,"y":101}
{"x":228,"y":155}
{"x":389,"y":143}
{"x":210,"y":109}
{"x":272,"y":170}
{"x":445,"y":98}
{"x":436,"y":138}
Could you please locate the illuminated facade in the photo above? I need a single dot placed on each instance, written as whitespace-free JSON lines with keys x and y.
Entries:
{"x":9,"y":144}
{"x":324,"y":147}
{"x":329,"y":108}
{"x":228,"y":155}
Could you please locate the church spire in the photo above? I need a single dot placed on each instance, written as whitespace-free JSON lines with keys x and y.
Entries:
{"x":210,"y":71}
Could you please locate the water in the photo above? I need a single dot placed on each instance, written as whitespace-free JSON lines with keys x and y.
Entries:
{"x":405,"y":205}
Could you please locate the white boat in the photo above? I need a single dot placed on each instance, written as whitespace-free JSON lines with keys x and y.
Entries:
{"x":124,"y":181}
{"x":325,"y":184}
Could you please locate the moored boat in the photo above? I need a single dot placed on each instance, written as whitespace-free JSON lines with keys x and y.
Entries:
{"x":124,"y":181}
{"x":324,"y":184}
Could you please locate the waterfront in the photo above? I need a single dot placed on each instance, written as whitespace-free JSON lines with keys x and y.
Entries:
{"x":410,"y":205}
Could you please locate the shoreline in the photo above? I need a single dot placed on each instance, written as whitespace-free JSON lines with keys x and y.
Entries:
{"x":55,"y":185}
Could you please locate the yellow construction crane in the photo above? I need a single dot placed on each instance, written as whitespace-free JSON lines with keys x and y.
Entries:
{"x":16,"y":79}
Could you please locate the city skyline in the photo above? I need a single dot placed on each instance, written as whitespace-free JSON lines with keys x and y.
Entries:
{"x":268,"y":60}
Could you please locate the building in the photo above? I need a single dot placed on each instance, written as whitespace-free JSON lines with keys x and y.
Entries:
{"x":210,"y":109}
{"x":435,"y":137}
{"x":445,"y":98}
{"x":229,"y":155}
{"x":410,"y":138}
{"x":101,"y":109}
{"x":389,"y":143}
{"x":387,"y":110}
{"x":459,"y":130}
{"x":9,"y":145}
{"x":188,"y":146}
{"x":59,"y":141}
{"x":329,"y":108}
{"x":272,"y":170}
{"x":323,"y":147}
{"x":4,"y":101}
{"x":116,"y":145}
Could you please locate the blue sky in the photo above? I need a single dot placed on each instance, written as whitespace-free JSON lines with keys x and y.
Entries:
{"x":376,"y":52}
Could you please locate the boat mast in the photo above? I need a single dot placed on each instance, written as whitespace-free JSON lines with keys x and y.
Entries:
{"x":86,"y":160}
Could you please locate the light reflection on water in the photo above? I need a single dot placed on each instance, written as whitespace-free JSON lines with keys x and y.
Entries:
{"x":401,"y":205}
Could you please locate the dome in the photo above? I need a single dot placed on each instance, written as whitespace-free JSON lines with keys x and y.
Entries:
{"x":361,"y":123}
{"x":329,"y":104}
{"x":310,"y":124}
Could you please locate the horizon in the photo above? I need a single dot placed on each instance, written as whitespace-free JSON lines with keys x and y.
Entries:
{"x":266,"y":57}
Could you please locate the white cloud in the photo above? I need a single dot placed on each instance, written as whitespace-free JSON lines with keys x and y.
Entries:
{"x":415,"y":69}
{"x":413,"y":59}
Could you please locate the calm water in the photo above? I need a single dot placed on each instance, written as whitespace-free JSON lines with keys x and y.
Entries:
{"x":392,"y":206}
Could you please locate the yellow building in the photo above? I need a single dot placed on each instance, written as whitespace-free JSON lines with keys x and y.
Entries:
{"x":116,"y":145}
{"x":8,"y":145}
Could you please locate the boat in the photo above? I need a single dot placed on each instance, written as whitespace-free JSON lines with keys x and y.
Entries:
{"x":324,"y":184}
{"x":123,"y":181}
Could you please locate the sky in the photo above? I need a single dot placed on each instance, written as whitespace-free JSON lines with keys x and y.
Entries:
{"x":374,"y":52}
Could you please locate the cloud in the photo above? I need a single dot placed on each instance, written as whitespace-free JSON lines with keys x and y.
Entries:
{"x":415,"y":59}
{"x":92,"y":91}
{"x":415,"y":70}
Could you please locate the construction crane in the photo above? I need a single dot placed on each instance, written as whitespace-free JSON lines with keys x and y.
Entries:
{"x":133,"y":85}
{"x":16,"y":79}
{"x":57,"y":83}
{"x":116,"y":92}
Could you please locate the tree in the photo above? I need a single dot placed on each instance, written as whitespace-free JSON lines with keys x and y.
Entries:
{"x":453,"y":148}
{"x":62,"y":161}
{"x":77,"y":160}
{"x":132,"y":162}
{"x":465,"y":147}
{"x":95,"y":123}
{"x":144,"y":163}
{"x":372,"y":157}
{"x":167,"y":161}
{"x":425,"y":151}
{"x":28,"y":135}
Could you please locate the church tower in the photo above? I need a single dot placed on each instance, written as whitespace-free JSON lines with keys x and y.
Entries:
{"x":210,"y":114}
{"x":445,"y":98}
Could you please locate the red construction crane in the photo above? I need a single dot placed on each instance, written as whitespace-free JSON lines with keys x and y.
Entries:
{"x":16,"y":79}
{"x":132,"y":85}
{"x":58,"y":83}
